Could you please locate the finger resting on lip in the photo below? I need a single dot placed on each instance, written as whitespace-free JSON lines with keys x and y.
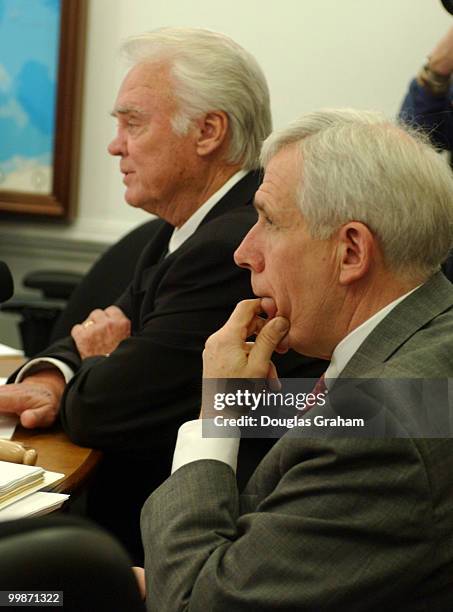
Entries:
{"x":243,"y":321}
{"x":245,"y":312}
{"x":269,"y":307}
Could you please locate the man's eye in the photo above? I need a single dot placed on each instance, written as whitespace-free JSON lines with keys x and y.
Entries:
{"x":265,"y":219}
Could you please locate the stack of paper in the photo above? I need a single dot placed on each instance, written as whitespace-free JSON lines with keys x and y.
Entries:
{"x":16,"y":478}
{"x":18,"y":486}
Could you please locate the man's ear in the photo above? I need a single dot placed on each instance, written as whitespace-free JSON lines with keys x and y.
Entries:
{"x":213,"y":130}
{"x":357,"y":246}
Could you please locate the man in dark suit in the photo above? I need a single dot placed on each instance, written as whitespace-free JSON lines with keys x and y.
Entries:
{"x":355,"y":217}
{"x":191,"y":113}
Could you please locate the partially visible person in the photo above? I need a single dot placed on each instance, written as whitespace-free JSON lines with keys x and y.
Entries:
{"x":355,"y":217}
{"x":191,"y":115}
{"x":428,"y":102}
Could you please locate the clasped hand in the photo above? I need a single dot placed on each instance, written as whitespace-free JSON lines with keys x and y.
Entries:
{"x":102,"y":332}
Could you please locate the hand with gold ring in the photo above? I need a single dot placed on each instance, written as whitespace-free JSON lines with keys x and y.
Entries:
{"x":101,"y":332}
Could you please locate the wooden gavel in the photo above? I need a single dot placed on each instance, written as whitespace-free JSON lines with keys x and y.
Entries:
{"x":15,"y":452}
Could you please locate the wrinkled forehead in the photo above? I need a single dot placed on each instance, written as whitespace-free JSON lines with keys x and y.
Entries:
{"x":144,"y":84}
{"x":282,"y":178}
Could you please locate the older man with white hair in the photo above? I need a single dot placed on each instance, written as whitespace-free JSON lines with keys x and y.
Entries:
{"x":355,"y":218}
{"x":191,"y":115}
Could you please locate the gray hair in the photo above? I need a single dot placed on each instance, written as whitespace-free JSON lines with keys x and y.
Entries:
{"x":357,"y":165}
{"x":211,"y":72}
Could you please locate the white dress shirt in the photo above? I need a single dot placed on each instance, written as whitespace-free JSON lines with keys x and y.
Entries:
{"x":181,"y":234}
{"x":192,"y":446}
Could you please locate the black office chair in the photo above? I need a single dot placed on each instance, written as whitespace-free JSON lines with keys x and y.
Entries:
{"x":58,"y":553}
{"x":68,"y":298}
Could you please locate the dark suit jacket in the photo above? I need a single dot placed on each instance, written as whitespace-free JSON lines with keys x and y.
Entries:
{"x":324,"y":524}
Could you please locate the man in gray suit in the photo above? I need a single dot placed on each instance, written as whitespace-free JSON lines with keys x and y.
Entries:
{"x":355,"y":217}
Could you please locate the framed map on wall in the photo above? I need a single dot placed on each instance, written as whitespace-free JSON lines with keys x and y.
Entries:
{"x":41,"y":56}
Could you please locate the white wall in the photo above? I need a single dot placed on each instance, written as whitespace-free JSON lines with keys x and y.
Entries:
{"x":315,"y":53}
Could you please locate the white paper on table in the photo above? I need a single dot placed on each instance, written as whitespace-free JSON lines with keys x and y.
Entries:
{"x":9,"y":351}
{"x":8,"y":421}
{"x":35,"y":504}
{"x":50,"y":478}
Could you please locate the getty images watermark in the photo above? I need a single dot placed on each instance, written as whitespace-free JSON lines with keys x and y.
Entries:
{"x":377,"y":408}
{"x":254,"y":402}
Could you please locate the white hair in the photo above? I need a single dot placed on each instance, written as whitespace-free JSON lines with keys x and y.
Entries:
{"x":211,"y":72}
{"x":358,"y":165}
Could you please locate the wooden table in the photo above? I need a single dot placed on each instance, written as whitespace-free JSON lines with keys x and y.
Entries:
{"x":55,"y":450}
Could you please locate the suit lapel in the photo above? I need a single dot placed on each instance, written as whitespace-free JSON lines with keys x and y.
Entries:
{"x":417,"y":310}
{"x":241,"y":194}
{"x":158,"y":245}
{"x":155,"y":252}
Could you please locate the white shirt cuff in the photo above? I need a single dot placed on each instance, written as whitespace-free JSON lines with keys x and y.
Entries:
{"x":191,"y":446}
{"x":36,"y":365}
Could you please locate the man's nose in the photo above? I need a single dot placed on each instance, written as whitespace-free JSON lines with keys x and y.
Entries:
{"x":248,"y":254}
{"x":116,"y":147}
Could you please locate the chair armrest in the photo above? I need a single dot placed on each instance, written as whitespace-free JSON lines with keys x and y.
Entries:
{"x":53,"y":283}
{"x":33,"y":306}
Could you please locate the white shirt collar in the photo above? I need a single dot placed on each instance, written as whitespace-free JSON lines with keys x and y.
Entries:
{"x":350,"y":343}
{"x":181,"y":234}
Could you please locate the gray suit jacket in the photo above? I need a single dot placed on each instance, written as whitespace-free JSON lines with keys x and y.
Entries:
{"x":324,"y":524}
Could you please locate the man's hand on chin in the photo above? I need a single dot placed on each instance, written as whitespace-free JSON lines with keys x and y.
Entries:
{"x":228,"y":354}
{"x":36,"y":399}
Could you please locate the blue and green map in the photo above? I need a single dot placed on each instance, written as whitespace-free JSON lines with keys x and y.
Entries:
{"x":29,"y":35}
